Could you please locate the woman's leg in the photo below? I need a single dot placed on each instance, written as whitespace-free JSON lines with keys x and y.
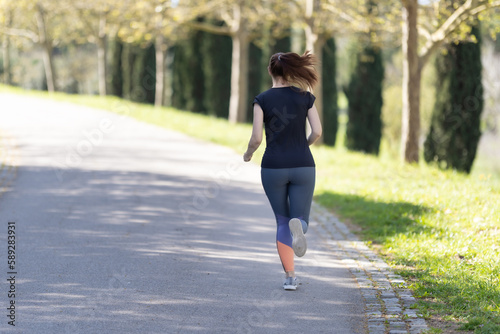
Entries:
{"x":300,"y":192}
{"x":276,"y":183}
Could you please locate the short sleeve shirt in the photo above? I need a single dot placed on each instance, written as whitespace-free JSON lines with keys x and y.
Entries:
{"x":285,"y":115}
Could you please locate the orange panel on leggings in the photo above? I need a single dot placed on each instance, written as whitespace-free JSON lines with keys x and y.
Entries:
{"x":286,"y":256}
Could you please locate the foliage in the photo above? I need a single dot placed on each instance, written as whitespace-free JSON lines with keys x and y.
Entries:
{"x":138,"y":72}
{"x":364,"y":128}
{"x":143,"y":76}
{"x":188,"y":76}
{"x":455,"y":129}
{"x":329,"y":87}
{"x":255,"y":77}
{"x":143,"y":20}
{"x":116,"y":72}
{"x":216,"y":63}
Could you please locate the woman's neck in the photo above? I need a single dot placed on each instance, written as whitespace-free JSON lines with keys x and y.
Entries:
{"x":280,"y":82}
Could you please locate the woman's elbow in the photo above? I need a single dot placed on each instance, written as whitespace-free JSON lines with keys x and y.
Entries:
{"x":256,"y":141}
{"x":317,"y":132}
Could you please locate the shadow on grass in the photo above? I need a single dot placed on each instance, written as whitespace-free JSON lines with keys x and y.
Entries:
{"x":377,"y":220}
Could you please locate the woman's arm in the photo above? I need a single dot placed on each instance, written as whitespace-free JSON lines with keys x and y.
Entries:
{"x":256,"y":139}
{"x":314,"y":121}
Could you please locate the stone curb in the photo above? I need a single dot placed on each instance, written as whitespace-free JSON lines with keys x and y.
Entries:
{"x":9,"y":159}
{"x":389,"y":305}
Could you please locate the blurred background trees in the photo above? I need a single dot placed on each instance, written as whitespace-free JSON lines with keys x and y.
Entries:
{"x":364,"y":91}
{"x":211,"y":56}
{"x":455,"y":127}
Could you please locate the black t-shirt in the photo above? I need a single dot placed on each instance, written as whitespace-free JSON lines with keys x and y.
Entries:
{"x":285,"y":114}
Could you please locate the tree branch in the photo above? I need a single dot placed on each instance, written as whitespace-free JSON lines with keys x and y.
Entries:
{"x":484,"y":7}
{"x":21,"y":33}
{"x":218,"y":30}
{"x":354,"y":19}
{"x":460,"y":15}
{"x":228,"y":19}
{"x":424,"y":32}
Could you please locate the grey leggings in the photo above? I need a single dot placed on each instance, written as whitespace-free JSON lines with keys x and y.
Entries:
{"x":290,"y":192}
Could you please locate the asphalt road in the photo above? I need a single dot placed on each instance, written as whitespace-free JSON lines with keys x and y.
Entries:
{"x":125,"y":227}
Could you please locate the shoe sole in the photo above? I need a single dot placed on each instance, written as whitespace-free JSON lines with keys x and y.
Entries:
{"x":290,"y":287}
{"x":299,"y":243}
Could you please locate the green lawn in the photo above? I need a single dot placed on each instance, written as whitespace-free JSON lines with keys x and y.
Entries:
{"x":441,"y":230}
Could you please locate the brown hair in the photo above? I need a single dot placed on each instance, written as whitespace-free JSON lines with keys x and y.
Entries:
{"x":294,"y":68}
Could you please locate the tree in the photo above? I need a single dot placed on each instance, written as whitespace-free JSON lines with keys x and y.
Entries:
{"x":129,"y":54}
{"x":216,"y":51}
{"x":143,"y":75}
{"x":455,"y":127}
{"x":47,"y":23}
{"x":323,"y":19}
{"x":6,"y":20}
{"x":166,"y":32}
{"x":116,"y":72}
{"x":45,"y":39}
{"x":178,"y":77}
{"x":189,"y":81}
{"x":138,"y":72}
{"x":255,"y":77}
{"x":242,"y":20}
{"x":364,"y":128}
{"x":319,"y":24}
{"x":329,"y":90}
{"x":97,"y":18}
{"x":415,"y":58}
{"x":158,"y":22}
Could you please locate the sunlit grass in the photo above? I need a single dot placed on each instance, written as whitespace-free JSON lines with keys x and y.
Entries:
{"x":439,"y":229}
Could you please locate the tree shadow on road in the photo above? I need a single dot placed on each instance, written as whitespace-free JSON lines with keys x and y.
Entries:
{"x":114,"y":251}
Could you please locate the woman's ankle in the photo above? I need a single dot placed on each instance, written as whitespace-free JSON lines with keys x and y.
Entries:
{"x":290,"y":274}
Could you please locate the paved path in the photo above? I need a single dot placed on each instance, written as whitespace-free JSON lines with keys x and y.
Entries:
{"x":124,"y":227}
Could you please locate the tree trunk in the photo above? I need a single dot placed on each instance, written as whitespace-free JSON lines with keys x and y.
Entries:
{"x":48,"y":63}
{"x":7,"y":74}
{"x":160,"y":49}
{"x":7,"y":77}
{"x":102,"y":55}
{"x":239,"y":75}
{"x":412,"y":72}
{"x":46,"y":44}
{"x":315,"y":43}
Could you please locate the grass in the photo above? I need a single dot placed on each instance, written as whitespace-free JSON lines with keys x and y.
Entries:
{"x":439,"y":229}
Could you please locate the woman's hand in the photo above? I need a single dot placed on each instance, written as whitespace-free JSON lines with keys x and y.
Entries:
{"x":314,"y":121}
{"x":247,"y":157}
{"x":256,"y":139}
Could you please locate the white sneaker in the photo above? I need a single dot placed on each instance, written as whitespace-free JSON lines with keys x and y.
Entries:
{"x":299,"y":243}
{"x":290,"y":283}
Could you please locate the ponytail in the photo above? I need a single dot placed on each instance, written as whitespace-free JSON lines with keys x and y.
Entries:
{"x":295,"y":69}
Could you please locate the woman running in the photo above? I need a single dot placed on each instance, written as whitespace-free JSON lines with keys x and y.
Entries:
{"x":288,"y":168}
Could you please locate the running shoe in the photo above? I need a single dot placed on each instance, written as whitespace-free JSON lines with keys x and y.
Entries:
{"x":290,"y":283}
{"x":299,"y":243}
